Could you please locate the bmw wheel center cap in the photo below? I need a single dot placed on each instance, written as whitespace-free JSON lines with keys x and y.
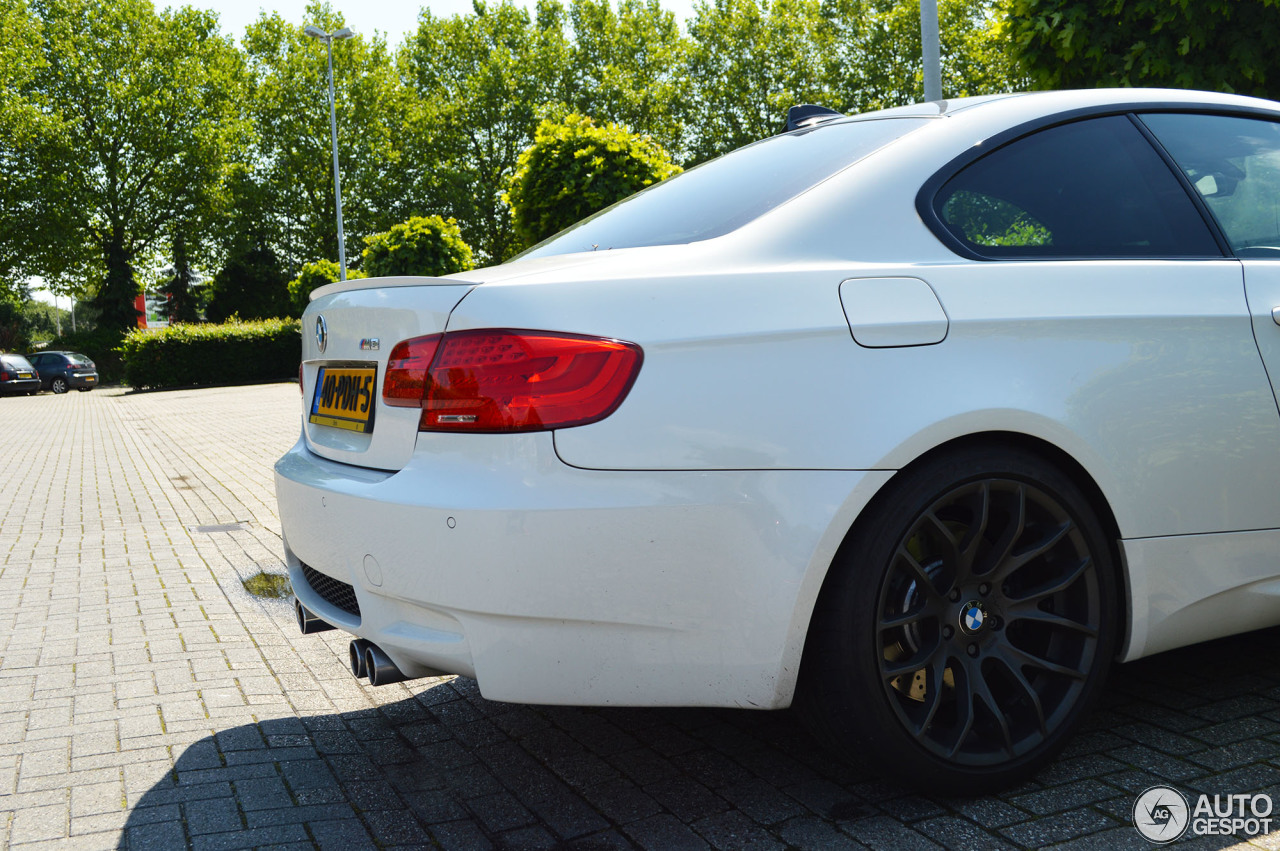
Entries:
{"x":973,"y":617}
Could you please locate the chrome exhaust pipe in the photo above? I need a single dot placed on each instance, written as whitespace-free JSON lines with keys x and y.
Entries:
{"x":355,"y":651}
{"x":379,"y":667}
{"x":307,"y":621}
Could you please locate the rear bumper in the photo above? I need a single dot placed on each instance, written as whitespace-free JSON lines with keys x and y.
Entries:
{"x":488,"y":557}
{"x":19,"y":385}
{"x":82,"y":379}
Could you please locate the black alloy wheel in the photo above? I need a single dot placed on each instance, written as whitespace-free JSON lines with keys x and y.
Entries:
{"x":58,"y":385}
{"x":968,"y":624}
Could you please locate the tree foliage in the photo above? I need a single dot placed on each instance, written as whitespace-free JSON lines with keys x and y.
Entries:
{"x":482,"y":83}
{"x":252,"y":285}
{"x":311,"y":277}
{"x":574,"y":168}
{"x":1220,"y":45}
{"x":140,"y":117}
{"x":287,"y":178}
{"x":424,"y":245}
{"x":136,"y":138}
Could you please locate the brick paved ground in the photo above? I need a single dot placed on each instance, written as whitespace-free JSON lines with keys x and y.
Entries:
{"x":148,"y":701}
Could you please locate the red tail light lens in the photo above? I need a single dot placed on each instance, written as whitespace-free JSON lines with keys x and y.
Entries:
{"x":504,"y":381}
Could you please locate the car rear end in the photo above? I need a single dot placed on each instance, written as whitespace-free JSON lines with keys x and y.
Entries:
{"x":426,"y":509}
{"x":81,"y":373}
{"x":17,"y":376}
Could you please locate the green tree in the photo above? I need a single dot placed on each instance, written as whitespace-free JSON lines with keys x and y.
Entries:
{"x":630,"y":66}
{"x":141,"y":110}
{"x":252,"y":285}
{"x":751,"y":60}
{"x":284,"y":194}
{"x":178,"y":286}
{"x":1220,"y":45}
{"x":311,"y":277}
{"x":480,"y":84}
{"x":424,"y":245}
{"x":574,"y":168}
{"x":874,"y":60}
{"x":22,"y":124}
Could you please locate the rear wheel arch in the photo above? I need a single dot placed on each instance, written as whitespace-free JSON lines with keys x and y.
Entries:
{"x":983,"y":451}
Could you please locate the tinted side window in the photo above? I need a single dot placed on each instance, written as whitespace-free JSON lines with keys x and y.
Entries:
{"x":1094,"y":188}
{"x":1234,"y":164}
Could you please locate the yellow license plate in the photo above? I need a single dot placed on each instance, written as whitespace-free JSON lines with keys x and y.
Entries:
{"x":345,"y":397}
{"x":25,"y":375}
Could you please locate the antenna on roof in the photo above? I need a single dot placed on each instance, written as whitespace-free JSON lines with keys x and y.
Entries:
{"x":807,"y":115}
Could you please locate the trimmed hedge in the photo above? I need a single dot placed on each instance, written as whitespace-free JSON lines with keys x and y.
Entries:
{"x":237,"y":352}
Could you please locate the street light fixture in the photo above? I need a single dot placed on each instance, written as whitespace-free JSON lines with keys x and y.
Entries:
{"x":327,"y":38}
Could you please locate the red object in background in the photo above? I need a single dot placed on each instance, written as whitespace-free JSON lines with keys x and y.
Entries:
{"x":140,"y":304}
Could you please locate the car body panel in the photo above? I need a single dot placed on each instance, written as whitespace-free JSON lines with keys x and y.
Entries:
{"x":611,"y":573}
{"x":671,"y":553}
{"x":355,"y":321}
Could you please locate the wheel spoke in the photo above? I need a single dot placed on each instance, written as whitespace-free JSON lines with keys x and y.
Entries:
{"x":964,"y":709}
{"x":909,"y":665}
{"x":1055,"y":585}
{"x":923,"y":580}
{"x":933,"y":693}
{"x":1028,"y":612}
{"x":1015,"y":561}
{"x":1022,"y":657}
{"x":968,"y":548}
{"x":983,"y":692}
{"x":947,"y":543}
{"x":924,"y":609}
{"x":1032,"y":696}
{"x":1002,"y":549}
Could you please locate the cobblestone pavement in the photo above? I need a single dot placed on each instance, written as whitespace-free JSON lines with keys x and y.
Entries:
{"x":148,"y":701}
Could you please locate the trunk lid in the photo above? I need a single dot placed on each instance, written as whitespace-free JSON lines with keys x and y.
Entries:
{"x":348,"y":332}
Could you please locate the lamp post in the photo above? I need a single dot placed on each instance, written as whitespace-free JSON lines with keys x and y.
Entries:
{"x":327,"y":38}
{"x":932,"y":50}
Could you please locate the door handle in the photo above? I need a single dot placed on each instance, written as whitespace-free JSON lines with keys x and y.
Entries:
{"x":1275,"y":314}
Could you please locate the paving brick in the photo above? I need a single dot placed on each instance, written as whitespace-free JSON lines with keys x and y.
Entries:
{"x":148,"y":701}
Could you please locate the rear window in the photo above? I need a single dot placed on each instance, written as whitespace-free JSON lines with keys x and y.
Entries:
{"x":15,"y":362}
{"x":78,"y":360}
{"x":726,"y":193}
{"x":1094,"y":188}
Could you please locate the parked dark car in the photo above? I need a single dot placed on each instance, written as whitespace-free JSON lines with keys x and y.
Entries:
{"x":62,"y":371}
{"x":17,"y":376}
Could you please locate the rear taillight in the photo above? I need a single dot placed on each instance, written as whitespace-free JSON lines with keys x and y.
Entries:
{"x":4,"y":376}
{"x":503,"y":380}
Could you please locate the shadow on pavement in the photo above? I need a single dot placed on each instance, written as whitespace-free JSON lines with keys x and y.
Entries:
{"x":447,"y":768}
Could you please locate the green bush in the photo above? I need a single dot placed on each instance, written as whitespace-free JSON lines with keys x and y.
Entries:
{"x":575,"y":168}
{"x":102,"y":346}
{"x":237,"y":352}
{"x":313,"y":276}
{"x":424,"y":245}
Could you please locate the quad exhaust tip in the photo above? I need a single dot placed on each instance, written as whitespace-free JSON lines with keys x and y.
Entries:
{"x":307,"y":621}
{"x":379,"y":667}
{"x":369,"y":660}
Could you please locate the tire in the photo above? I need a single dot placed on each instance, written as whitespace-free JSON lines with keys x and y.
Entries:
{"x":967,"y":625}
{"x":84,"y":389}
{"x":58,"y":385}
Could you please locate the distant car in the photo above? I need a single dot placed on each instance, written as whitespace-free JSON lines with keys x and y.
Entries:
{"x":63,"y":371}
{"x":17,"y":376}
{"x":921,"y":418}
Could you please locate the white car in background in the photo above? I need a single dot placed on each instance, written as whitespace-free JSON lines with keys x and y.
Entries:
{"x":920,"y":418}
